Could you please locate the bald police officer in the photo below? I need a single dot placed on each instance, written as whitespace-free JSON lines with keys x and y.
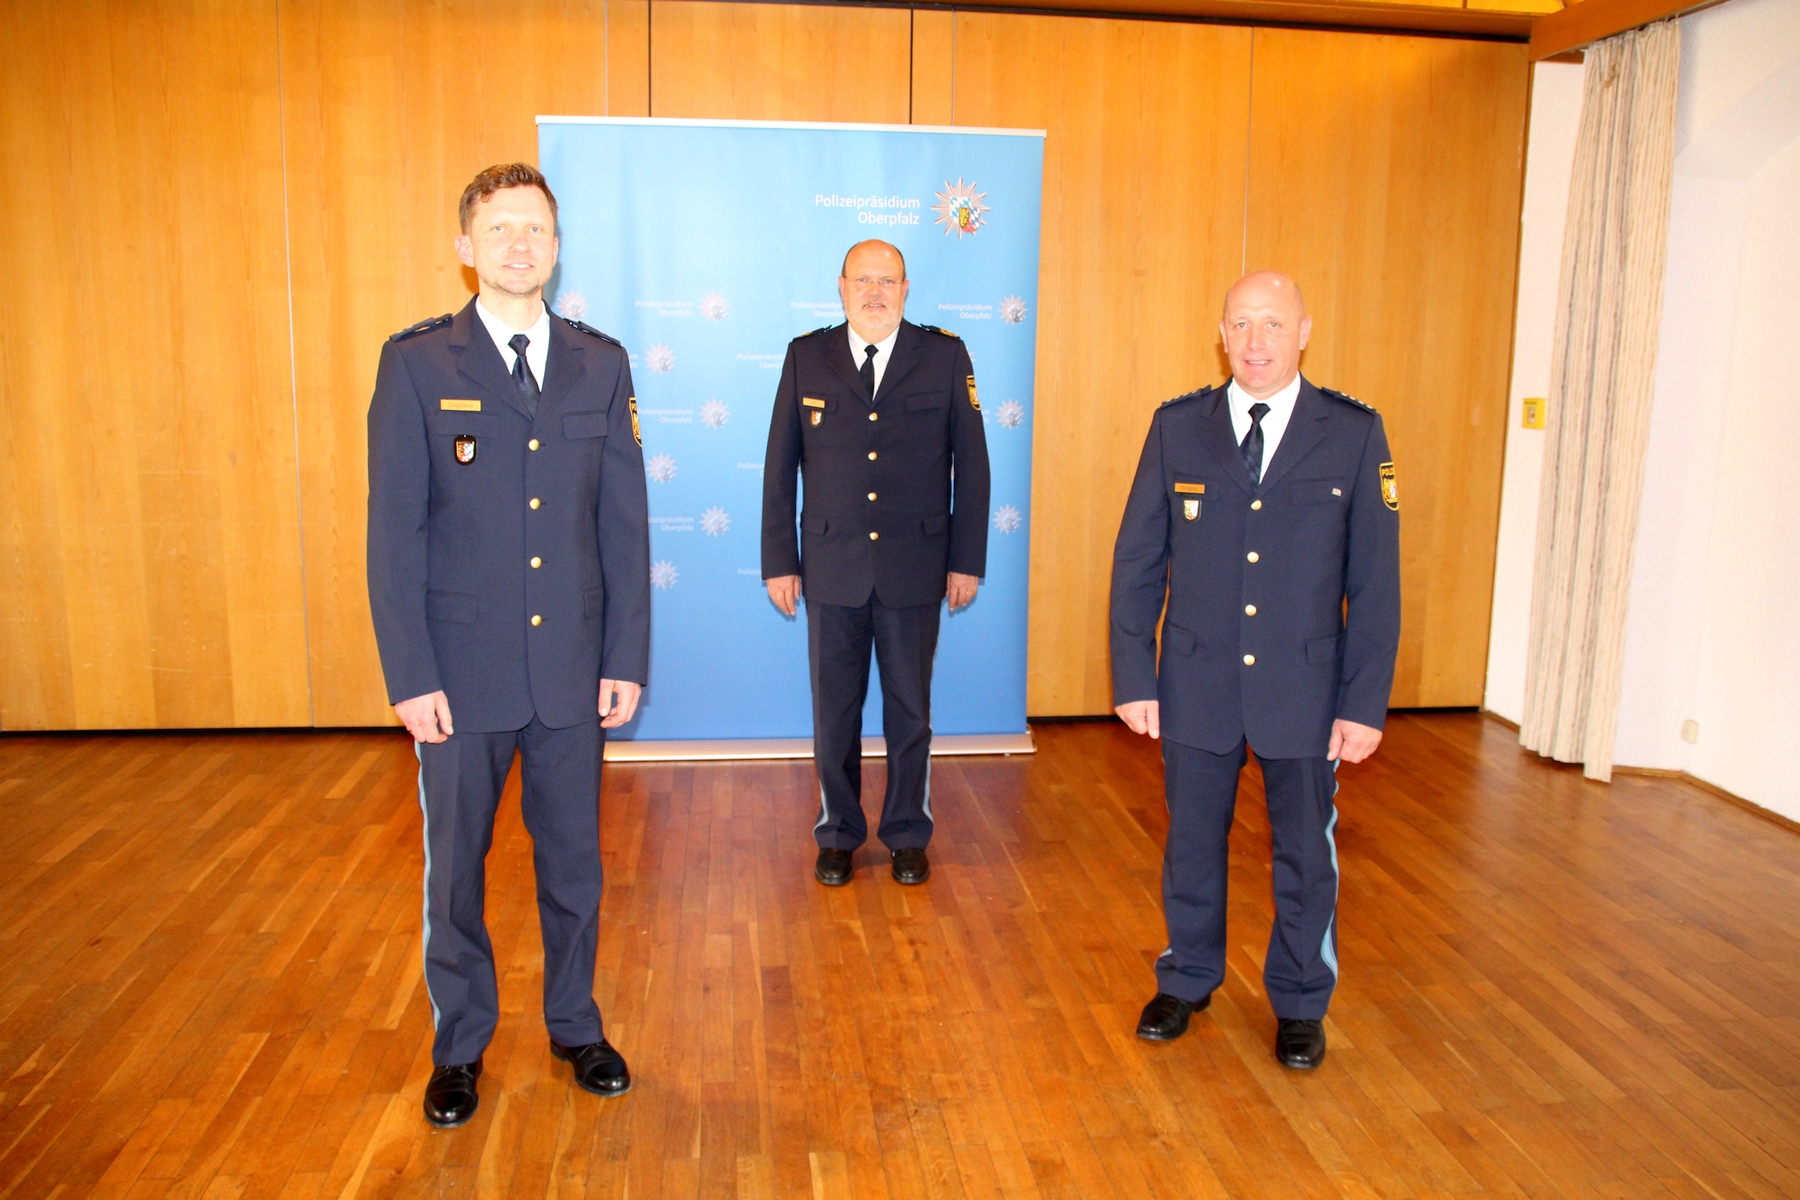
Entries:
{"x":883,"y":419}
{"x":509,"y":578}
{"x":1259,"y":510}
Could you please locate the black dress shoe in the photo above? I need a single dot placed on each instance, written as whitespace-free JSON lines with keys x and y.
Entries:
{"x":833,"y":868}
{"x":450,"y":1097}
{"x":911,"y":866}
{"x":598,"y":1067}
{"x":1166,"y":1017}
{"x":1300,"y":1044}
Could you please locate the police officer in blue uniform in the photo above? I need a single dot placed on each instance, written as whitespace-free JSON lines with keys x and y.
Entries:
{"x":509,"y":581}
{"x":1260,"y":510}
{"x":883,"y":419}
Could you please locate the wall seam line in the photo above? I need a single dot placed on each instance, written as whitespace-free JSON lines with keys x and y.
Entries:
{"x":287,"y":247}
{"x":1249,"y":134}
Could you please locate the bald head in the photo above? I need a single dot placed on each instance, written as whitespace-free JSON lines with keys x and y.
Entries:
{"x":873,"y":288}
{"x":1265,"y":327}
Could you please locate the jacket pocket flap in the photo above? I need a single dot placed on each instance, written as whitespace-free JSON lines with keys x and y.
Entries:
{"x":458,"y":608}
{"x":584,"y":425}
{"x":593,"y":603}
{"x":928,"y":400}
{"x":936,"y":523}
{"x":1323,"y":649}
{"x":814,"y":524}
{"x":1316,"y":491}
{"x":1178,"y":640}
{"x":452,"y":424}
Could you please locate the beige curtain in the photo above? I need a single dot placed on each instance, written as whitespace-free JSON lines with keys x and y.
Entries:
{"x":1609,"y":308}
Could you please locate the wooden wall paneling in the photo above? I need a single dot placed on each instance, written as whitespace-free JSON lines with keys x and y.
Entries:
{"x":779,"y":62}
{"x":391,"y":107}
{"x":1385,"y":176}
{"x":933,"y":80}
{"x":149,"y":520}
{"x":1142,"y":233}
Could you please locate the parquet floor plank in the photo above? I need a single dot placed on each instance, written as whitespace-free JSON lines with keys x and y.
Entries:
{"x":210,"y":986}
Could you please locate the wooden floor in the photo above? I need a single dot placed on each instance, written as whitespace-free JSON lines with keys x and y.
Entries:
{"x":210,"y":987}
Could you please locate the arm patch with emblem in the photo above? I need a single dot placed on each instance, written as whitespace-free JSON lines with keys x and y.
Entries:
{"x":637,"y":431}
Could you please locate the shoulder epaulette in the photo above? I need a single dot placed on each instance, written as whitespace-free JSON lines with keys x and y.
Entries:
{"x":589,"y":329}
{"x":1347,"y":399}
{"x":1193,"y":395}
{"x":937,"y":329}
{"x":421,"y":327}
{"x":818,"y":331}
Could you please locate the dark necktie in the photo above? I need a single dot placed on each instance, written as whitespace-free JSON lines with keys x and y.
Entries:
{"x":1252,"y":448}
{"x":528,"y":387}
{"x":868,"y":370}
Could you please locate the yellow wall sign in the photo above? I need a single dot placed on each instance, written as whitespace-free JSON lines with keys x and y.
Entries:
{"x":1534,"y":412}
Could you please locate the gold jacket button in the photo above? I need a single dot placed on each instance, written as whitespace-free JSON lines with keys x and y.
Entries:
{"x":1253,"y":556}
{"x":534,"y":502}
{"x":1254,"y":504}
{"x":874,"y":416}
{"x":871,"y":495}
{"x":532,"y":444}
{"x":537,"y":562}
{"x":1249,"y":609}
{"x":871,"y":456}
{"x":536,"y":620}
{"x":1249,"y":660}
{"x":873,"y":536}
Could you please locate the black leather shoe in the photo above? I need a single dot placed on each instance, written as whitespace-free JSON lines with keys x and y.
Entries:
{"x":1300,"y":1044}
{"x":450,"y":1097}
{"x":833,"y":868}
{"x":1166,"y":1017}
{"x":598,"y":1067}
{"x":911,"y":866}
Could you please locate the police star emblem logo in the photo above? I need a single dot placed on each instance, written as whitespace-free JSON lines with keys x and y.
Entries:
{"x":1390,"y":489}
{"x":960,"y":208}
{"x":465,"y":448}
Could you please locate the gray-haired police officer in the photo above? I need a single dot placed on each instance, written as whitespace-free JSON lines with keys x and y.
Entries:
{"x":883,"y":417}
{"x":509,"y":580}
{"x":1258,"y":509}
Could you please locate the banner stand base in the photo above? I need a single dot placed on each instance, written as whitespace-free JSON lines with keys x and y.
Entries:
{"x":754,"y":748}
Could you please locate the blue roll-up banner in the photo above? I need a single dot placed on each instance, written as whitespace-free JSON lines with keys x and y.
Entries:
{"x":705,"y":246}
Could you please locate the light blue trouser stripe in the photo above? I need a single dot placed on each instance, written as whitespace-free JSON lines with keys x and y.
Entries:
{"x":824,"y":810}
{"x":425,"y":928}
{"x":928,"y":815}
{"x":1327,"y":950}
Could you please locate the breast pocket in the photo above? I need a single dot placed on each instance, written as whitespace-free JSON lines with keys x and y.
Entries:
{"x":579,"y":426}
{"x":920,"y":401}
{"x":1318,"y":491}
{"x":456,"y":424}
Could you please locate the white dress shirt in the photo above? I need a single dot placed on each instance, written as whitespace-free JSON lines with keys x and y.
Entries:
{"x":537,"y":355}
{"x":1274,"y":422}
{"x":884,"y":350}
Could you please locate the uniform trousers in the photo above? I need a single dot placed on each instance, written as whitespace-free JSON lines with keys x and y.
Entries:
{"x":837,"y":644}
{"x":1300,"y":970}
{"x":460,"y":780}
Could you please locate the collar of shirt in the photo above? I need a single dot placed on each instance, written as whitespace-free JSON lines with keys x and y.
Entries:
{"x":884,"y":349}
{"x":1274,"y":422}
{"x":537,"y":355}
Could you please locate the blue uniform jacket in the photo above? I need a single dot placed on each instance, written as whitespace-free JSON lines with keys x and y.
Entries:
{"x":879,"y":471}
{"x":467,"y":493}
{"x":1255,"y":640}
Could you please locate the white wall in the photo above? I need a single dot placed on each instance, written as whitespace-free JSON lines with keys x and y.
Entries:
{"x":1711,"y":635}
{"x":1550,"y":151}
